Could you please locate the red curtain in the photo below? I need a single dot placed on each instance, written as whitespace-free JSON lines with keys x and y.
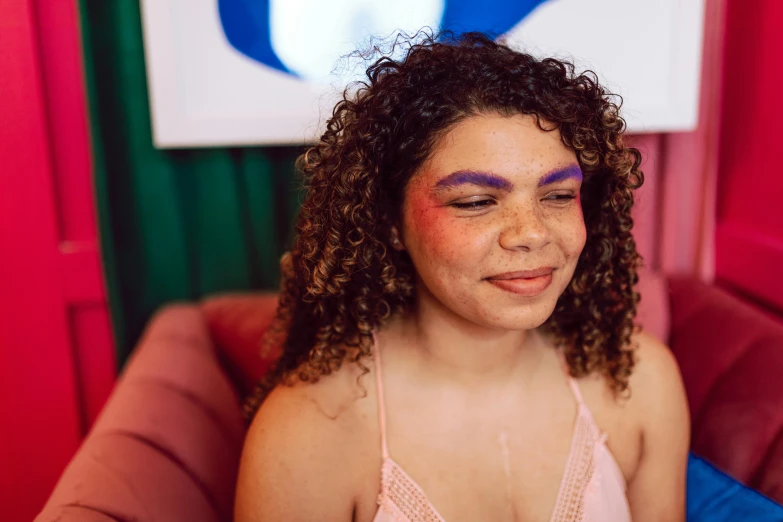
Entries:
{"x":675,"y":212}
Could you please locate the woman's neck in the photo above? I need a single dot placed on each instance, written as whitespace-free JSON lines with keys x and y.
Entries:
{"x":451,"y":350}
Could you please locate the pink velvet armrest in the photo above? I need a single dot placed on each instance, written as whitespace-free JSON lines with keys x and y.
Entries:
{"x":166,"y":446}
{"x":731,"y":358}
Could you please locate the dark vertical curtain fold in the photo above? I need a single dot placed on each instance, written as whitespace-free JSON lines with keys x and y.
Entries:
{"x":175,"y":224}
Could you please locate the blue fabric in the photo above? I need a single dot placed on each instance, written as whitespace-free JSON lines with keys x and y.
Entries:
{"x":713,"y":496}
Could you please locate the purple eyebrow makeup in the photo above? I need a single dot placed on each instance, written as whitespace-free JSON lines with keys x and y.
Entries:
{"x":572,"y":171}
{"x":489,"y":180}
{"x":482,"y":179}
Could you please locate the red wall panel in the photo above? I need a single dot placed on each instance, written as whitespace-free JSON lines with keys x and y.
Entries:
{"x":56,"y":356}
{"x":749,"y":238}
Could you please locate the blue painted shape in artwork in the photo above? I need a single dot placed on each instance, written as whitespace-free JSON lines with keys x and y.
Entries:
{"x":490,"y":17}
{"x":246,"y":23}
{"x":246,"y":26}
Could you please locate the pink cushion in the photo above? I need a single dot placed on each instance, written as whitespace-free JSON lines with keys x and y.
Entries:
{"x":176,"y":354}
{"x":730,"y":356}
{"x":771,"y":472}
{"x":182,"y":428}
{"x":76,"y":514}
{"x":166,"y":445}
{"x":237,"y":323}
{"x":126,"y":479}
{"x":743,"y":414}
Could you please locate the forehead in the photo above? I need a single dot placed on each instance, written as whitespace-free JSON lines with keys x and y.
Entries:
{"x":512,"y":146}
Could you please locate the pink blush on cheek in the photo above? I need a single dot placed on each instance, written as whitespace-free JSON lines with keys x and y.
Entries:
{"x":431,"y":223}
{"x":428,"y":218}
{"x":435,"y":232}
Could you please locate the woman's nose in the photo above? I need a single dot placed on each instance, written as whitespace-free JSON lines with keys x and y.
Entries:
{"x":524,"y":230}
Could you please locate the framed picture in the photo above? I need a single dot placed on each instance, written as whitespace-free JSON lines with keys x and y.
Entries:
{"x":263,"y":72}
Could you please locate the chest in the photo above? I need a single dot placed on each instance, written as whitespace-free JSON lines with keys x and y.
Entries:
{"x":477,"y":472}
{"x":502,"y":462}
{"x":504,"y":469}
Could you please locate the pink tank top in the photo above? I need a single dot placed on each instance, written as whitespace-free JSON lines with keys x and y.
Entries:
{"x":592,"y":488}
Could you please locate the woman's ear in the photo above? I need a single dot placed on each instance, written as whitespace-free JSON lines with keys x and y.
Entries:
{"x":395,"y":239}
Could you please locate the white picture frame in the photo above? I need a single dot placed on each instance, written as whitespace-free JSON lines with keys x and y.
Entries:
{"x":204,"y":93}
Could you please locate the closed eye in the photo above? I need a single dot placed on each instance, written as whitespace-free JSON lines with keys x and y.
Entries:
{"x":474,"y":205}
{"x":560,"y":198}
{"x":481,"y":204}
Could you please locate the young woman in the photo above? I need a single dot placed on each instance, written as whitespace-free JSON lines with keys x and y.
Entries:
{"x":456,"y":318}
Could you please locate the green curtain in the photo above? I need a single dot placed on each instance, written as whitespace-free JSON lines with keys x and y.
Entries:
{"x":174,"y":224}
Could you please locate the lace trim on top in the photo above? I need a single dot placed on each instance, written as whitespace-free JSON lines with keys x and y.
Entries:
{"x":403,"y":498}
{"x":579,"y":471}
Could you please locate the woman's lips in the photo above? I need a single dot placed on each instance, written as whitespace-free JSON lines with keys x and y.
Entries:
{"x":524,"y":274}
{"x":524,"y":286}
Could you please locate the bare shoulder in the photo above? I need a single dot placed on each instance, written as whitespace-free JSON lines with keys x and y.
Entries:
{"x":299,"y":460}
{"x":656,"y":378}
{"x":657,"y":490}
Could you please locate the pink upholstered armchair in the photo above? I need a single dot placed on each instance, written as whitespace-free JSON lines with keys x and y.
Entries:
{"x":167,"y":445}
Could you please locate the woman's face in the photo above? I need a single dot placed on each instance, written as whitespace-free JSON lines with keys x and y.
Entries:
{"x":493,"y":222}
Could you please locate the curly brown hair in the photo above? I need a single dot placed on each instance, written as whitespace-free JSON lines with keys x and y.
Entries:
{"x":342,"y":279}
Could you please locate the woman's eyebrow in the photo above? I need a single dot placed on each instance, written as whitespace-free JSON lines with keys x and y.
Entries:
{"x":482,"y":179}
{"x":490,"y":180}
{"x":571,"y":171}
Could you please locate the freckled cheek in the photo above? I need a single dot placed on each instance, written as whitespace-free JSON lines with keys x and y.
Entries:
{"x":440,"y":236}
{"x":435,"y":231}
{"x":576,"y":235}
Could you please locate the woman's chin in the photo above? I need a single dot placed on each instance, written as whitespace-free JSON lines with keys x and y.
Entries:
{"x":527,"y":317}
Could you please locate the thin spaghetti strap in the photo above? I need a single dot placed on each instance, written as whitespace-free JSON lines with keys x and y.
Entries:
{"x":575,"y":390}
{"x":379,"y":388}
{"x":571,"y":382}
